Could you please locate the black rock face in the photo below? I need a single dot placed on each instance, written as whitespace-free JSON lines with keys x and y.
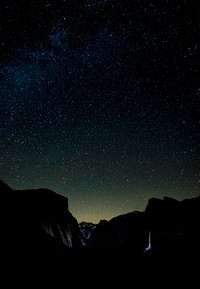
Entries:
{"x":174,"y":225}
{"x":37,"y":219}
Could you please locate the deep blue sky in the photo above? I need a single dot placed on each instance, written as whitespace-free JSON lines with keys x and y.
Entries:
{"x":100,"y":101}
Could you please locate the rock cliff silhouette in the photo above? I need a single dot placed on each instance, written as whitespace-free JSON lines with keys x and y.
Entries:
{"x":41,"y":239}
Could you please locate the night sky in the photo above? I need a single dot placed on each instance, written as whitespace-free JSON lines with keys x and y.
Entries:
{"x":100,"y":100}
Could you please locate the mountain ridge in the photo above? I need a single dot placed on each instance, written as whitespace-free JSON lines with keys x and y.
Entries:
{"x":42,"y":238}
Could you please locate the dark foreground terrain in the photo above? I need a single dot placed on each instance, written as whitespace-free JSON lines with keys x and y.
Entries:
{"x":43,"y":246}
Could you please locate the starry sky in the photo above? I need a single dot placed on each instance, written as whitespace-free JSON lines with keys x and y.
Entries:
{"x":100,"y":100}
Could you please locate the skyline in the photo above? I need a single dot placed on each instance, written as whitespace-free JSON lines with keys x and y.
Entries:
{"x":100,"y":101}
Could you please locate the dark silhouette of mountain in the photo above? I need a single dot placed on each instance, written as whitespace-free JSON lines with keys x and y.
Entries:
{"x":40,"y":212}
{"x":42,"y":241}
{"x":38,"y":234}
{"x":171,"y":226}
{"x":176,"y":224}
{"x":128,"y":231}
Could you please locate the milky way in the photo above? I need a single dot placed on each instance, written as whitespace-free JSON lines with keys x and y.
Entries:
{"x":100,"y":101}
